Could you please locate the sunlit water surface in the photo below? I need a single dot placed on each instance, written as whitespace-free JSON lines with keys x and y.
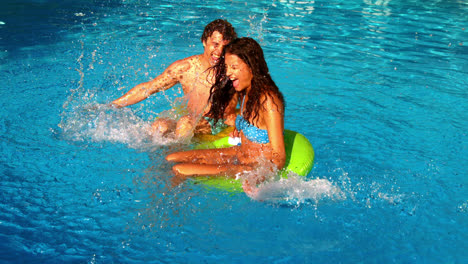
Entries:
{"x":378,"y":87}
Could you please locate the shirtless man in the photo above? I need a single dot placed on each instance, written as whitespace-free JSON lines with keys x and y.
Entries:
{"x":196,"y":80}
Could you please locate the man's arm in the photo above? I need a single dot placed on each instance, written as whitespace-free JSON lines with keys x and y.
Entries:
{"x":166,"y":80}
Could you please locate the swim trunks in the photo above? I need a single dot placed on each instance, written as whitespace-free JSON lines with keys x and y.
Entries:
{"x":216,"y":127}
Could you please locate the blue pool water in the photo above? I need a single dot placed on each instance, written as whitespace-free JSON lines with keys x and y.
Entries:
{"x":378,"y":86}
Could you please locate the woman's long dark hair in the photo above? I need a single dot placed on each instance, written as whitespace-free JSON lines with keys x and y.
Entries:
{"x":221,"y":93}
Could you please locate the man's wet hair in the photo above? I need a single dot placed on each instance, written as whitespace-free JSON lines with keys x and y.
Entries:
{"x":223,"y":27}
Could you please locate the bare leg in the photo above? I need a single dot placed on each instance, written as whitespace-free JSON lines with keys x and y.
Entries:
{"x":192,"y":169}
{"x":183,"y":171}
{"x":184,"y":127}
{"x":206,"y":156}
{"x":162,"y":126}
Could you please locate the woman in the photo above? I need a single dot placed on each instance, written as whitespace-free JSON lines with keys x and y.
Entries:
{"x":241,"y":74}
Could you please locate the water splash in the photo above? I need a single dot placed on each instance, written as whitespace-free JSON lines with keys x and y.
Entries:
{"x":97,"y":123}
{"x":256,"y":26}
{"x":84,"y":119}
{"x":463,"y":208}
{"x":298,"y":190}
{"x":294,"y":189}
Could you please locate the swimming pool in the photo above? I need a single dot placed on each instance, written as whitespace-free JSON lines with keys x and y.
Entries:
{"x":378,"y":87}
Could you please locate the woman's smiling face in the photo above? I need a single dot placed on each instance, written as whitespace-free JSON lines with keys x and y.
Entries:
{"x":238,"y":72}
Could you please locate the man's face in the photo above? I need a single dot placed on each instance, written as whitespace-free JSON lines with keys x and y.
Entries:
{"x":213,"y":47}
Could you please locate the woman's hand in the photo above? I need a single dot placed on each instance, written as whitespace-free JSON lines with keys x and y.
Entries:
{"x":234,"y":133}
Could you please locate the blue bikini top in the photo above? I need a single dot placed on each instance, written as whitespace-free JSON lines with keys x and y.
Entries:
{"x":251,"y":132}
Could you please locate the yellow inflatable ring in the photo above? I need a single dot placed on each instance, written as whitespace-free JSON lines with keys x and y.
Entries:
{"x":299,"y":159}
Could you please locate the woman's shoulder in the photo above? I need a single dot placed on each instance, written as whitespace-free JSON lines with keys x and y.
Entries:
{"x":272,"y":102}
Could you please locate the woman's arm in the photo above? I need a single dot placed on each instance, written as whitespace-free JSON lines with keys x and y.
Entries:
{"x":273,"y":116}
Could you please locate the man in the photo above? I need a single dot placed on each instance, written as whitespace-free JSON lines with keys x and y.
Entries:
{"x":196,"y":80}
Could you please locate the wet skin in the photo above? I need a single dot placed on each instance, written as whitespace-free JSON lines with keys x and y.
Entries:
{"x":192,"y":73}
{"x":237,"y":159}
